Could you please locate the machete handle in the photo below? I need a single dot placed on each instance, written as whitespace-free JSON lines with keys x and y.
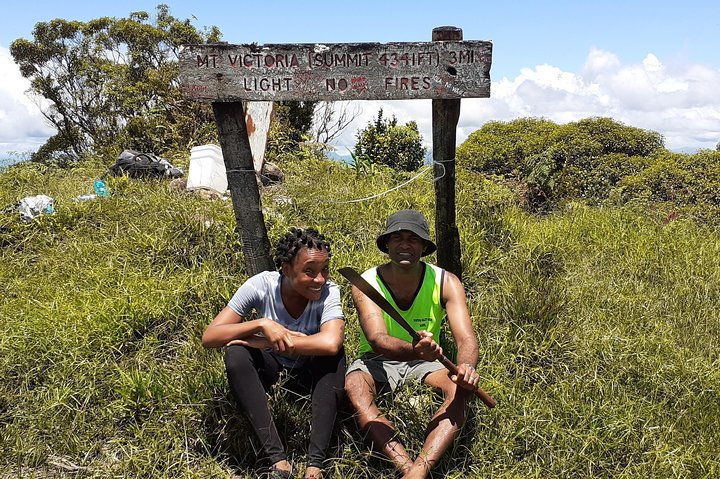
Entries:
{"x":452,"y":368}
{"x":479,"y":392}
{"x":374,"y":295}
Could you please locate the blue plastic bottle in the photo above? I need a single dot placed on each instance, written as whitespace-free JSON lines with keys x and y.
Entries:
{"x":101,"y":188}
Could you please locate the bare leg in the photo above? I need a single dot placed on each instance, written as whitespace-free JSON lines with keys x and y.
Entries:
{"x":443,"y":427}
{"x":360,"y":390}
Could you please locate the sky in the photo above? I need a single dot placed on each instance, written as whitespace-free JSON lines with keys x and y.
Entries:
{"x":648,"y":64}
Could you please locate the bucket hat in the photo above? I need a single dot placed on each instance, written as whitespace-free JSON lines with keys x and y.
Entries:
{"x":409,"y":220}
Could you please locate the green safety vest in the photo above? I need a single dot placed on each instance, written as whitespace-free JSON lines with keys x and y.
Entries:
{"x":426,"y":312}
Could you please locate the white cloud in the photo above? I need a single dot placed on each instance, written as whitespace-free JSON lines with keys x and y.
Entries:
{"x":22,"y":126}
{"x":599,"y":62}
{"x":680,"y":102}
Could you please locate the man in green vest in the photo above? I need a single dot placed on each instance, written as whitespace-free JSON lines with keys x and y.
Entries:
{"x":424,"y":294}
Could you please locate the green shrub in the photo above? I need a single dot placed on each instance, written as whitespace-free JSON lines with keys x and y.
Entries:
{"x":501,"y":148}
{"x":605,"y":136}
{"x":679,"y":178}
{"x":553,"y":164}
{"x":385,"y":142}
{"x":595,"y":183}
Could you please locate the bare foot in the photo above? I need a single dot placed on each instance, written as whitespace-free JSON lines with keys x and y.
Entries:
{"x":313,"y":472}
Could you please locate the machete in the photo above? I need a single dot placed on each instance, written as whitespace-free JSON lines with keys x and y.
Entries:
{"x":374,"y":295}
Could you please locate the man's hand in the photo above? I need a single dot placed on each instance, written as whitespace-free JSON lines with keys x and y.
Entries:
{"x":467,"y":377}
{"x":426,"y":349}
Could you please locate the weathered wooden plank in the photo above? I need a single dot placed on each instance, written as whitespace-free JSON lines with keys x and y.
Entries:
{"x":340,"y":71}
{"x":242,"y":182}
{"x":445,"y":116}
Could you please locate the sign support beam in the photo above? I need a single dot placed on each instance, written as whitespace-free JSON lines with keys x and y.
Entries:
{"x":242,"y":183}
{"x":445,"y":115}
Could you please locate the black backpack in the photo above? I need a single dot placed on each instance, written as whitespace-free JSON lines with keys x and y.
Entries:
{"x":142,"y":165}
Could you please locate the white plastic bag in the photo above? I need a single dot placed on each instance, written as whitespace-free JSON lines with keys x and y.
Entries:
{"x":32,"y":206}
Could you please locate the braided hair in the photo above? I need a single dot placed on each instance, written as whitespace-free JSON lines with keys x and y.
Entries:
{"x":297,"y":238}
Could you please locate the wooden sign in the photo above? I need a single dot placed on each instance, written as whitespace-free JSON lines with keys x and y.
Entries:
{"x":340,"y":71}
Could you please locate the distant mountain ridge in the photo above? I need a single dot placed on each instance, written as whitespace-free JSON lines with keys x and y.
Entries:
{"x":347,"y":158}
{"x":4,"y":162}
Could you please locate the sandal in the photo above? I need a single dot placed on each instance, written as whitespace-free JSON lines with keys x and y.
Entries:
{"x":274,"y":473}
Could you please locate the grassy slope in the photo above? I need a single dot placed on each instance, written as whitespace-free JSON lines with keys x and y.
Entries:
{"x":599,"y":332}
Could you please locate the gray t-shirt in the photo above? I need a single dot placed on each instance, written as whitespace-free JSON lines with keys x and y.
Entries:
{"x":262,"y":294}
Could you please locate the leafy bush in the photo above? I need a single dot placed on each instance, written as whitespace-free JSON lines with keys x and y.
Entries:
{"x":580,"y":160}
{"x":606,"y":136}
{"x":594,"y":184}
{"x":679,"y":178}
{"x":385,"y":142}
{"x":683,"y":184}
{"x":501,"y":148}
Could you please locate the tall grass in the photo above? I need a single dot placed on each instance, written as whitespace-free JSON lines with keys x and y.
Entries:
{"x":598,"y":329}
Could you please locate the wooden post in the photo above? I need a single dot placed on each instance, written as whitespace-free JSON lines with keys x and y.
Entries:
{"x":445,"y":115}
{"x":242,"y":182}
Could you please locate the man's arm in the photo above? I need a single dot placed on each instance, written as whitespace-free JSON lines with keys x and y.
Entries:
{"x":373,"y":325}
{"x":462,"y":331}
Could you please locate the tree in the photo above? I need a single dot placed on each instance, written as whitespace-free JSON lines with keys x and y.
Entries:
{"x":299,"y":117}
{"x":114,"y":82}
{"x":384,"y":141}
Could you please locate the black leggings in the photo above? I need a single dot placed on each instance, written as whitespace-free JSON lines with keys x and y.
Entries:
{"x":251,"y":372}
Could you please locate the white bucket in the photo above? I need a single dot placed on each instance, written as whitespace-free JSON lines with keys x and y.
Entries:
{"x":207,"y":169}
